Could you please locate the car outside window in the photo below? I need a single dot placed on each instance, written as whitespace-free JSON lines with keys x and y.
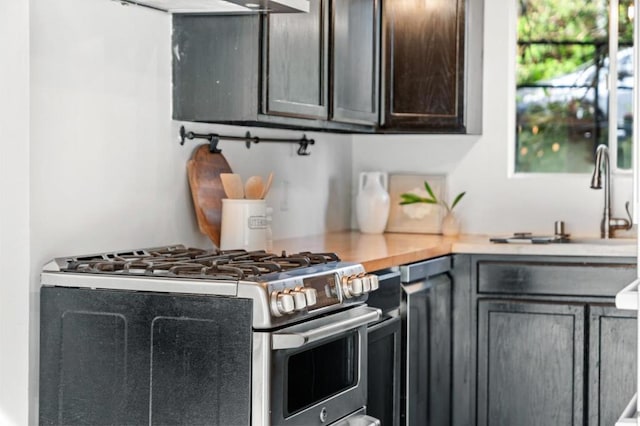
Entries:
{"x":562,"y":95}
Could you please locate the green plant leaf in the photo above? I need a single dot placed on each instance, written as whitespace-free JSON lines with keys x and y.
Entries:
{"x":409,"y":198}
{"x":423,"y":200}
{"x":428,"y":188}
{"x":457,"y":200}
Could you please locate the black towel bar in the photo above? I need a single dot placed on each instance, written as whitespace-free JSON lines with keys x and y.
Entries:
{"x":214,"y":138}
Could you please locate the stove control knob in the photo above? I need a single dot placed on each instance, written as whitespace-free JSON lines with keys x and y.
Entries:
{"x":311,"y":294}
{"x":299,"y":299}
{"x":356,"y":286}
{"x":346,"y":286}
{"x":366,"y":282}
{"x":281,"y":303}
{"x":375,"y":282}
{"x":352,"y":286}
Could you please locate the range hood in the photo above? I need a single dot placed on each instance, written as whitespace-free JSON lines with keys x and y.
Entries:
{"x":224,"y":7}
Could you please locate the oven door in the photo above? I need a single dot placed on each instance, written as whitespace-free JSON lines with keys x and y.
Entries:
{"x":318,"y":368}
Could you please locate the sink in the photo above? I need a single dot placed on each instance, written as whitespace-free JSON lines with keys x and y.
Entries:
{"x":520,"y":238}
{"x":604,"y":242}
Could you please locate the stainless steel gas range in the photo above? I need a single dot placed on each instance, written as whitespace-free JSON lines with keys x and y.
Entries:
{"x":177,"y":335}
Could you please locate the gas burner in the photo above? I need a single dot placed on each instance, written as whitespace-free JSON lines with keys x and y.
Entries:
{"x":321,"y":257}
{"x":187,"y":262}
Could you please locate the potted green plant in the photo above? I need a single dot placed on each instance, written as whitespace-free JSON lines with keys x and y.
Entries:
{"x":450,"y":224}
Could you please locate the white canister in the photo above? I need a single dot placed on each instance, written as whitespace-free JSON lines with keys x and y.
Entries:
{"x":243,"y":224}
{"x":372,"y":202}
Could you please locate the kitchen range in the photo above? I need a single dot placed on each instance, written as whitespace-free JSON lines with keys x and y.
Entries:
{"x":178,"y":335}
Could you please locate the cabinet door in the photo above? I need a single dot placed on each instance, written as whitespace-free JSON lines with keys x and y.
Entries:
{"x":612,"y":362}
{"x":215,"y":59}
{"x":296,"y":62}
{"x":427,"y":352}
{"x":383,"y":371}
{"x":131,"y":358}
{"x":423,"y":42}
{"x":530,"y":363}
{"x":355,"y":47}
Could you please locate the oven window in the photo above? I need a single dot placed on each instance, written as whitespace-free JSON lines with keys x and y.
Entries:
{"x":320,"y":372}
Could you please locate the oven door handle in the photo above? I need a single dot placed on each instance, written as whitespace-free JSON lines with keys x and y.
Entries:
{"x":303,"y":334}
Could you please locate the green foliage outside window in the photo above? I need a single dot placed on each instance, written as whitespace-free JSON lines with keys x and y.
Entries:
{"x":562,"y":96}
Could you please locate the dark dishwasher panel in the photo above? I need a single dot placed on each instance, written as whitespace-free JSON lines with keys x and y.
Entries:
{"x":384,"y":351}
{"x":387,"y":296}
{"x":426,"y":343}
{"x":123,"y":357}
{"x":383,"y":398}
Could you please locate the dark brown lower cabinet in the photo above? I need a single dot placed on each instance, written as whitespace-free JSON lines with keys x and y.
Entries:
{"x":427,"y":348}
{"x":612,"y":362}
{"x":550,"y":347}
{"x":509,"y":341}
{"x":530,"y":363}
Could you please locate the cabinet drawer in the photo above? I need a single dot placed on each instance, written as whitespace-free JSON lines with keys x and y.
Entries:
{"x":571,"y":278}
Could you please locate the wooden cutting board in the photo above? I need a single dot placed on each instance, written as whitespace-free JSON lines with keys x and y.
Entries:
{"x":203,"y":170}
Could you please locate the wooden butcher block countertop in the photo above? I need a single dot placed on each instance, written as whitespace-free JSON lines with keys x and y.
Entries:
{"x":373,"y":251}
{"x":385,"y":250}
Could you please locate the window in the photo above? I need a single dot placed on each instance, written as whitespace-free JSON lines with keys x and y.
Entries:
{"x":564,"y":104}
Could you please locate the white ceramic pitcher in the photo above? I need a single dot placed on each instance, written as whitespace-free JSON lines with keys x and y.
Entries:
{"x":372,"y":202}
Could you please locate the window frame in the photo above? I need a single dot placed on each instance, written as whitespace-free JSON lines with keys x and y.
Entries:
{"x":612,"y":139}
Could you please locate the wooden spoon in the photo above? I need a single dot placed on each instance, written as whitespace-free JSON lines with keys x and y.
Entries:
{"x":267,"y":186}
{"x":232,"y":184}
{"x":253,"y":188}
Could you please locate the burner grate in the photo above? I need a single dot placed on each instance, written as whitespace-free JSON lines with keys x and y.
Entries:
{"x":187,"y":262}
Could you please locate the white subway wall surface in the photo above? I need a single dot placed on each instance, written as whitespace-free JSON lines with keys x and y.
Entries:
{"x":107,"y":169}
{"x":496,"y":203}
{"x":310,"y":194}
{"x":14,"y":212}
{"x":104,"y":173}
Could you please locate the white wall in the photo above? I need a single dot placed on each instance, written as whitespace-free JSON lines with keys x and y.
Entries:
{"x":495,"y":203}
{"x":310,"y":194}
{"x":14,"y":212}
{"x":107,"y":171}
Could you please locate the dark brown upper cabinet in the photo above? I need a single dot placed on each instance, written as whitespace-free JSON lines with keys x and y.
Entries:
{"x":424,"y":54}
{"x":215,"y":68}
{"x":347,"y":65}
{"x":432,"y":66}
{"x":324,"y":64}
{"x":355,"y":48}
{"x":315,"y":71}
{"x":296,"y":63}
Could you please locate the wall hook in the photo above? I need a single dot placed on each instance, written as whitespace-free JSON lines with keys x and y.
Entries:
{"x":304,"y":144}
{"x":213,"y":144}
